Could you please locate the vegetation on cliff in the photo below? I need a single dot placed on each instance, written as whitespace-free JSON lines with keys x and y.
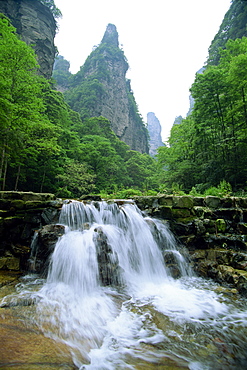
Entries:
{"x":211,"y":144}
{"x":101,"y":88}
{"x":47,"y":146}
{"x":232,"y":27}
{"x":44,"y":145}
{"x":52,"y":6}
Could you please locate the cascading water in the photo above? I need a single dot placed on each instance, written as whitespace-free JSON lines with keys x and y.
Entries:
{"x":111,"y":298}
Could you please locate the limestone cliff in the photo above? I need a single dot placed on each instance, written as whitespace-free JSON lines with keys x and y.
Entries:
{"x":35,"y":24}
{"x":154,"y":130}
{"x":100,"y":88}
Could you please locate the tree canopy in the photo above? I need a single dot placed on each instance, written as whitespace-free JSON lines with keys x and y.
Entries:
{"x":45,"y":145}
{"x":211,"y":144}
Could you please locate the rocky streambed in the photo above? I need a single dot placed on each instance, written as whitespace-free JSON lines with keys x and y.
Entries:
{"x":211,"y":236}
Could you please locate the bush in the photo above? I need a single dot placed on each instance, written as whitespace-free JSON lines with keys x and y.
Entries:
{"x":224,"y":189}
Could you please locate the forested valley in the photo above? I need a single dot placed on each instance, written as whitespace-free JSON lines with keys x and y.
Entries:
{"x":45,"y":146}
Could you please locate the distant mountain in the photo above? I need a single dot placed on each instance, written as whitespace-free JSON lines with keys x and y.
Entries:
{"x":100,"y":88}
{"x":154,"y":130}
{"x":61,"y":73}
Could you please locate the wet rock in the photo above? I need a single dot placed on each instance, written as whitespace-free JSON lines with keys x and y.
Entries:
{"x":242,"y":284}
{"x":239,"y":261}
{"x":9,"y":263}
{"x":109,"y":269}
{"x":44,"y":245}
{"x":50,"y":215}
{"x":242,"y":227}
{"x":23,"y":346}
{"x":171,"y":264}
{"x":163,"y":212}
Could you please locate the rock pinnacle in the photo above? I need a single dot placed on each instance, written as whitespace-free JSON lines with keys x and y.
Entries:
{"x":111,"y":35}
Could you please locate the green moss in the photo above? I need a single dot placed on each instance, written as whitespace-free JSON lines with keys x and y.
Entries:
{"x":181,"y":213}
{"x":183,"y":202}
{"x":220,"y":225}
{"x":17,"y":204}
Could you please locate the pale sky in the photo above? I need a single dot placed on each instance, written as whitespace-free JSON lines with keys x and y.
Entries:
{"x":165,"y":42}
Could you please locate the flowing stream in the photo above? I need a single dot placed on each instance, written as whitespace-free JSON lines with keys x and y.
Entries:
{"x":111,"y":298}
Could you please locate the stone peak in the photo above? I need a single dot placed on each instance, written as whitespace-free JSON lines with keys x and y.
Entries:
{"x":111,"y":35}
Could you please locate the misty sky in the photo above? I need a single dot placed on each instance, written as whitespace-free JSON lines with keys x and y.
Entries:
{"x":165,"y":42}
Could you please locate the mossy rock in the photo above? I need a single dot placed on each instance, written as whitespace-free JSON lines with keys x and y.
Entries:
{"x":220,"y":225}
{"x":241,"y":202}
{"x":199,"y":254}
{"x":12,"y":221}
{"x":4,"y":213}
{"x":144,"y":201}
{"x":38,"y":204}
{"x":183,"y":202}
{"x":18,"y":204}
{"x":198,"y":201}
{"x":212,"y":201}
{"x":199,"y":211}
{"x":165,"y":200}
{"x":227,"y":202}
{"x":181,"y":213}
{"x":26,"y":196}
{"x":5,"y":204}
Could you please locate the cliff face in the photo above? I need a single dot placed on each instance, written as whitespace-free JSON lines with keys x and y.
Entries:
{"x":232,"y":27}
{"x":154,"y":130}
{"x":35,"y":24}
{"x":101,"y":89}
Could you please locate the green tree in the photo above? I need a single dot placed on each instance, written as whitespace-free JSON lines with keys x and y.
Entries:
{"x":21,"y":104}
{"x":75,"y":179}
{"x":211,"y":144}
{"x":142,"y":170}
{"x":103,"y":159}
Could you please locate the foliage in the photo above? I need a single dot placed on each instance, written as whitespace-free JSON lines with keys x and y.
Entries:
{"x":127,"y":193}
{"x":75,"y":179}
{"x":211,"y":144}
{"x":61,"y":72}
{"x":46,"y":146}
{"x":224,"y":189}
{"x":114,"y":164}
{"x":25,"y":130}
{"x":124,"y":194}
{"x":52,"y":6}
{"x":232,"y":27}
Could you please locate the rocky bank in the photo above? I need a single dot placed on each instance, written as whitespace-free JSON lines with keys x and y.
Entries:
{"x":213,"y":230}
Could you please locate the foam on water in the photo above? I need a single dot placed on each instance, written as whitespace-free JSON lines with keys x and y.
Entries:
{"x":150,"y":318}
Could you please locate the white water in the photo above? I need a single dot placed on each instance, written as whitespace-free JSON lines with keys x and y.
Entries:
{"x":150,"y":318}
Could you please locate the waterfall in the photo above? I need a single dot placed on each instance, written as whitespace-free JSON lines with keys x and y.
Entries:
{"x":111,"y":295}
{"x":136,"y":244}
